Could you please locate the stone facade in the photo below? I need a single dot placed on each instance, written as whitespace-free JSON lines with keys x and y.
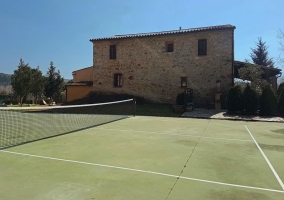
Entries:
{"x":149,"y":71}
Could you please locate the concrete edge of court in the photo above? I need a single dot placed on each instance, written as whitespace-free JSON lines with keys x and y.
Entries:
{"x":223,"y":115}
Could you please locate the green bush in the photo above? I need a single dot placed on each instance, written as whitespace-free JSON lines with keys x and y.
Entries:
{"x":281,"y":102}
{"x":249,"y":100}
{"x":268,"y":101}
{"x":180,"y":99}
{"x":279,"y":90}
{"x":233,"y":100}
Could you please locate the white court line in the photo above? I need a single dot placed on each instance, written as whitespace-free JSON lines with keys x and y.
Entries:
{"x":270,"y":165}
{"x":275,"y":127}
{"x":216,"y":138}
{"x":144,"y":171}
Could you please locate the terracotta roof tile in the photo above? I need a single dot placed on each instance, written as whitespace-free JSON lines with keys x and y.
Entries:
{"x":208,"y":28}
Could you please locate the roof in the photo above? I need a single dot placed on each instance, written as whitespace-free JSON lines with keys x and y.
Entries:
{"x":82,"y":69}
{"x":83,"y":83}
{"x":190,"y":30}
{"x":268,"y":71}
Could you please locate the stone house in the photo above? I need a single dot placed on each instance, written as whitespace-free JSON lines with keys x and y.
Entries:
{"x":160,"y":65}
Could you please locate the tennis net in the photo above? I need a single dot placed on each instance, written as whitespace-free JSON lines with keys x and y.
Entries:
{"x":20,"y":125}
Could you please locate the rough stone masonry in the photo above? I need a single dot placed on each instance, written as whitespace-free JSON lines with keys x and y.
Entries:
{"x":148,"y":70}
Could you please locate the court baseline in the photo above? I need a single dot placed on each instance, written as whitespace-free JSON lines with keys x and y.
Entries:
{"x":143,"y":171}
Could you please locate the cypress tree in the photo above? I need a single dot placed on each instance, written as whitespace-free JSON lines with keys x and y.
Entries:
{"x":233,"y":100}
{"x":249,"y":100}
{"x":268,"y":101}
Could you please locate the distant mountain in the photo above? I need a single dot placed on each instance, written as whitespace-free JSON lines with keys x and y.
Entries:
{"x":5,"y":79}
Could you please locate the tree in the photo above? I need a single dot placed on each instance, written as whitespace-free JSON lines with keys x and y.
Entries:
{"x":259,"y":55}
{"x":21,"y":80}
{"x":53,"y":83}
{"x":268,"y":101}
{"x":254,"y":74}
{"x":5,"y":79}
{"x":249,"y":100}
{"x":281,"y":102}
{"x":279,"y":90}
{"x":37,"y":83}
{"x":233,"y":100}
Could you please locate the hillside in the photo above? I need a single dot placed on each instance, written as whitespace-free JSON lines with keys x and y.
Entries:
{"x":5,"y":79}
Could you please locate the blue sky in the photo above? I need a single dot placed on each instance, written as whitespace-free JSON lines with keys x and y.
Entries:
{"x":40,"y":31}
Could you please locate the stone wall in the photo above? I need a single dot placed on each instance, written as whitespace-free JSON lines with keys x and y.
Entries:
{"x":148,"y":70}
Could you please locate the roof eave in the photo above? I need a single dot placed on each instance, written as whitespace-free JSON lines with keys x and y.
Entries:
{"x":183,"y":31}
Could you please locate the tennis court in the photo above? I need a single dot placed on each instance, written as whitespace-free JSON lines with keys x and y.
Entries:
{"x":148,"y":158}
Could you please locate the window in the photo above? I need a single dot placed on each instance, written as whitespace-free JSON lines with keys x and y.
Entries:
{"x":112,"y":51}
{"x":117,"y":80}
{"x":202,"y":47}
{"x":170,"y":47}
{"x":183,"y":82}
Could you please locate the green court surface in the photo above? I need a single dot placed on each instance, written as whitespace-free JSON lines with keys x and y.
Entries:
{"x":150,"y":158}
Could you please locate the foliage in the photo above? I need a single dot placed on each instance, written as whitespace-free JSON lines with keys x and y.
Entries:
{"x":281,"y":102}
{"x":53,"y":84}
{"x":180,"y":99}
{"x":5,"y":79}
{"x":268,"y":101}
{"x":21,"y":80}
{"x":259,"y":55}
{"x":280,"y":96}
{"x":233,"y":101}
{"x":249,"y":100}
{"x":254,"y":74}
{"x":279,"y":90}
{"x":37,"y":83}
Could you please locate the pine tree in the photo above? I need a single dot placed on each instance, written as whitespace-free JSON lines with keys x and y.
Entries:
{"x":53,"y":83}
{"x":37,"y":83}
{"x":21,"y":80}
{"x":259,"y":55}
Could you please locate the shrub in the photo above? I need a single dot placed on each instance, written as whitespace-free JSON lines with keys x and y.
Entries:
{"x":249,"y":100}
{"x":268,"y":101}
{"x":233,"y":100}
{"x":281,"y":102}
{"x":180,"y":99}
{"x":279,"y":90}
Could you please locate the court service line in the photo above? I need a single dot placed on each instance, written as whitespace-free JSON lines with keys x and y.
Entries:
{"x":207,"y":137}
{"x":144,"y":171}
{"x":268,"y":162}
